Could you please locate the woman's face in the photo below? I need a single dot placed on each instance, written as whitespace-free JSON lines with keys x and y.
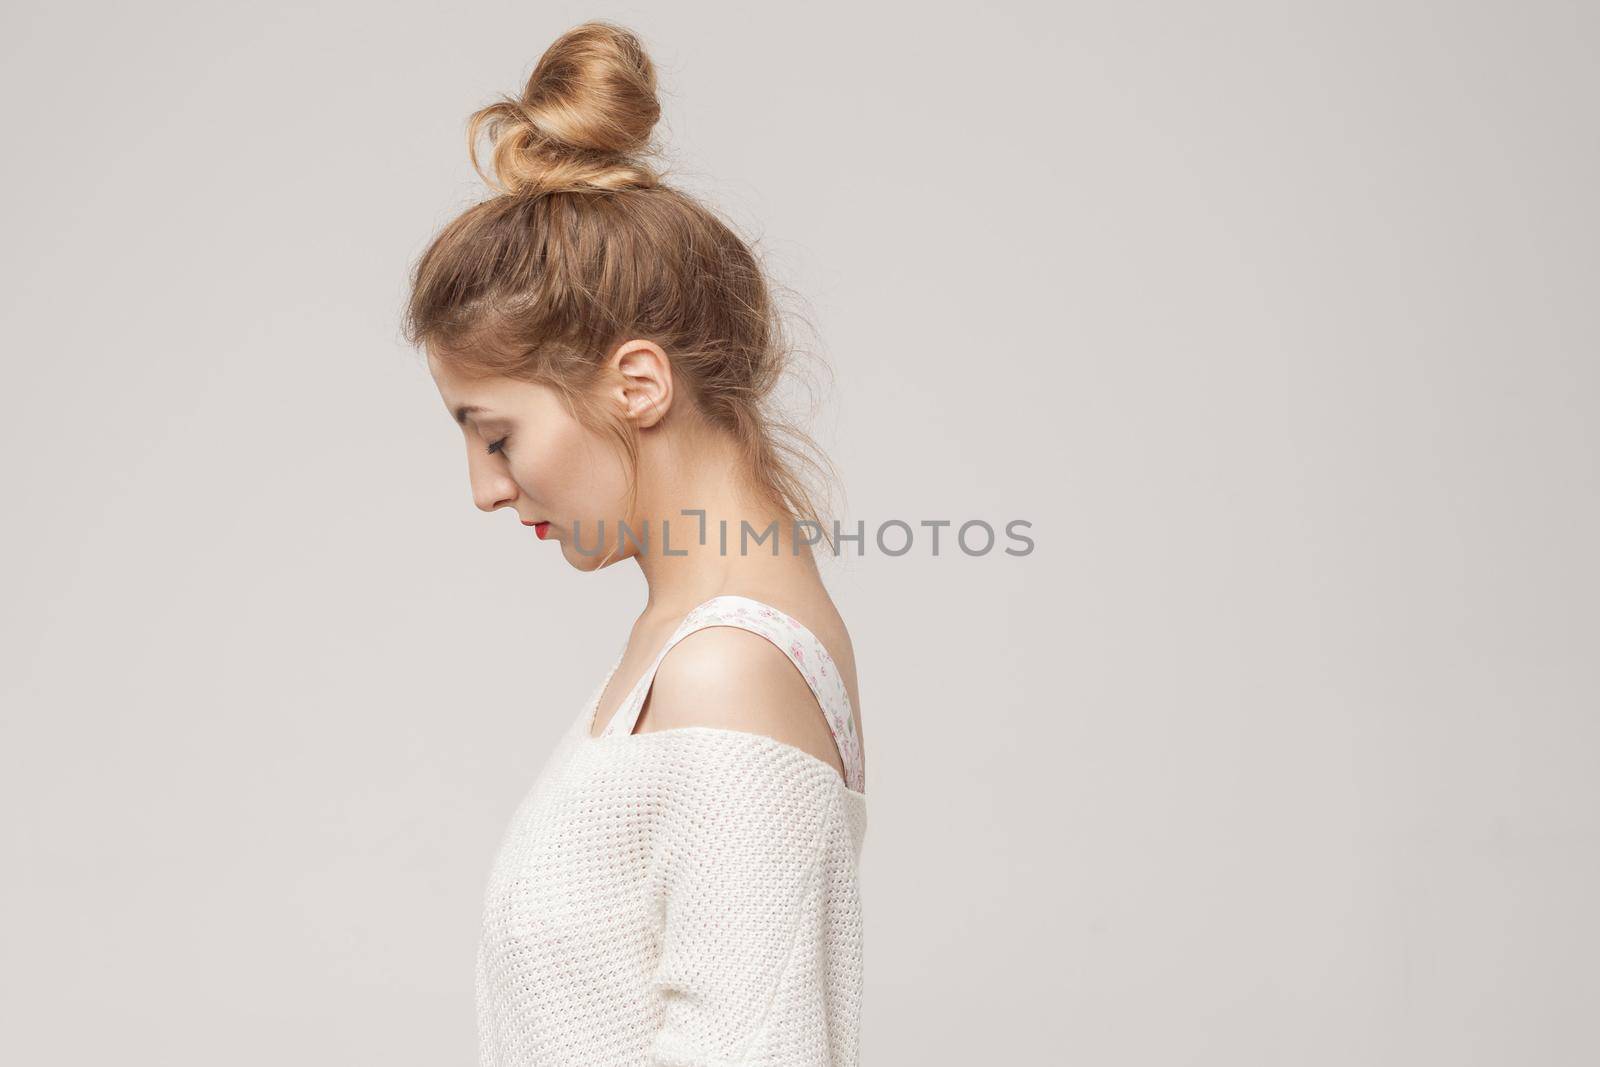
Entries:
{"x":526,"y":452}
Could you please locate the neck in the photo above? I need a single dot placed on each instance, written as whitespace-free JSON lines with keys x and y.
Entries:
{"x":707,"y":535}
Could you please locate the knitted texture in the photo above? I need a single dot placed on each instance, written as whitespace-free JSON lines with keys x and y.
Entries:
{"x":686,"y":897}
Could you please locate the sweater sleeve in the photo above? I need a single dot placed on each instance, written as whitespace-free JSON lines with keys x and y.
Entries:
{"x":739,"y":978}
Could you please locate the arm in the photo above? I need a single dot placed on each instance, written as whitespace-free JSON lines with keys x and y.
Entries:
{"x":739,"y":978}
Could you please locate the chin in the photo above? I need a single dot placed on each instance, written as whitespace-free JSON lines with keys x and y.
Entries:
{"x":588,"y":561}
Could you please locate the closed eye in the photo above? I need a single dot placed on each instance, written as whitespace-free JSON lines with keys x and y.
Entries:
{"x":497,"y":446}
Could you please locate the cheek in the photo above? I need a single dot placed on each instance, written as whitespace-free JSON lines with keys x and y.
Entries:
{"x":567,"y":470}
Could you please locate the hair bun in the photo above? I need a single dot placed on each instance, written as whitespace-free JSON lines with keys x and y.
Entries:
{"x":583,"y":121}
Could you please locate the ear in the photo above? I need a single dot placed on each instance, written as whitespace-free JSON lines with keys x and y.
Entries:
{"x":643,"y":383}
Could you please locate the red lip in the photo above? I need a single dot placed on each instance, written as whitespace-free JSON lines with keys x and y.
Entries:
{"x":540,"y":528}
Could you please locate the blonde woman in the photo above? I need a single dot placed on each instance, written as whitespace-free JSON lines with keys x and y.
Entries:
{"x":680,"y":885}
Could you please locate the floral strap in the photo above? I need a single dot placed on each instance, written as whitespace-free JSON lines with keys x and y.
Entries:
{"x":802,"y":647}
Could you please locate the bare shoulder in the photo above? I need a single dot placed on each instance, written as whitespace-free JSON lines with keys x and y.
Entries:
{"x":732,"y":679}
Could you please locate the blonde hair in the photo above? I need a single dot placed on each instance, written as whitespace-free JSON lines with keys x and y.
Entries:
{"x":584,"y":247}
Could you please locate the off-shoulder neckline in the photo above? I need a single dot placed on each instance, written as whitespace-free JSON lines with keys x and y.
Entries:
{"x":752,"y":737}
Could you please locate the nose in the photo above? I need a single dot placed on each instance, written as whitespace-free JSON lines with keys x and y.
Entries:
{"x":493,"y":498}
{"x":487,"y":504}
{"x":491,"y":489}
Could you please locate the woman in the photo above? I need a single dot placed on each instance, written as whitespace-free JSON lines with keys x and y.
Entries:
{"x":680,"y":886}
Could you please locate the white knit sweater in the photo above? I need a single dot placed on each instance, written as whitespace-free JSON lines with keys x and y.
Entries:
{"x":680,"y":898}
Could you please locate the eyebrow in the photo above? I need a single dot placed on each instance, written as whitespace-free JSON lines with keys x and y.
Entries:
{"x":464,"y":410}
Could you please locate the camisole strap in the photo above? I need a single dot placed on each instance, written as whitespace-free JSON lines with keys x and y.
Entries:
{"x":804,"y":650}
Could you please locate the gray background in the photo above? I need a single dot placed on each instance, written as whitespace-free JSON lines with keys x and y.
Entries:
{"x":1276,"y":320}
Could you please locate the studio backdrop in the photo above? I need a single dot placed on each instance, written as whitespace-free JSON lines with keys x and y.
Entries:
{"x":1214,"y":393}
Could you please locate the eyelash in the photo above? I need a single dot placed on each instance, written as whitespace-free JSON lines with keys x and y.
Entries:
{"x":497,"y":446}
